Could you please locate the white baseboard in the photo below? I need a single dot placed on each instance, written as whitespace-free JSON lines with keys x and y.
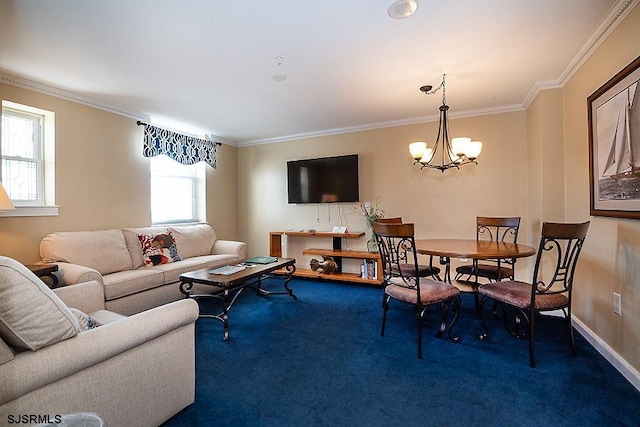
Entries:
{"x":607,"y":352}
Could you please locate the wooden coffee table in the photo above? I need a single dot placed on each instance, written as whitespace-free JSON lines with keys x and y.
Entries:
{"x":227,"y":288}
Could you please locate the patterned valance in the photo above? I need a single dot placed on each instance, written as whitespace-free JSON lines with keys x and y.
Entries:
{"x":184,"y":149}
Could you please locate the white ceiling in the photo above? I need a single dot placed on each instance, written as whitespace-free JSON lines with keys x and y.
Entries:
{"x":207,"y":67}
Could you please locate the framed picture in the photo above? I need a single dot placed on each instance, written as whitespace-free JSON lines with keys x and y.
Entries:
{"x":614,"y":145}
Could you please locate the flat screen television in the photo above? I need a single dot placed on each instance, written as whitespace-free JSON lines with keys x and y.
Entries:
{"x":323,"y":180}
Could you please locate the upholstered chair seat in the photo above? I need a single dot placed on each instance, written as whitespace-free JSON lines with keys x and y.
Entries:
{"x":518,"y":294}
{"x":431,"y":291}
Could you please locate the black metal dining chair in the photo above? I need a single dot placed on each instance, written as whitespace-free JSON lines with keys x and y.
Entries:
{"x":550,"y":288}
{"x":492,"y":229}
{"x":406,"y":263}
{"x":406,"y":286}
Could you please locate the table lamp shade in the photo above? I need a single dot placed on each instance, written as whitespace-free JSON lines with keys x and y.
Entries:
{"x":5,"y":201}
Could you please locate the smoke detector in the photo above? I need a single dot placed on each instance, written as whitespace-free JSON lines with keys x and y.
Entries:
{"x":279,"y":77}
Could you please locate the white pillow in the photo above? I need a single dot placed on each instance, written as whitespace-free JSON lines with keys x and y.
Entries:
{"x":194,"y":240}
{"x":31,"y":315}
{"x":102,"y":250}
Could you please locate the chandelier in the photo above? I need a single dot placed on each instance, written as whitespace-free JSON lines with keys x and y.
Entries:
{"x":446,"y":153}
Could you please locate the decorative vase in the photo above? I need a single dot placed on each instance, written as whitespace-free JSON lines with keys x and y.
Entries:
{"x":372,"y":245}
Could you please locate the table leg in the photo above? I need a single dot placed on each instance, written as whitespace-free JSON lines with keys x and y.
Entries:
{"x":446,"y":261}
{"x":227,"y":299}
{"x":288,"y":291}
{"x":185,"y":288}
{"x":225,"y":313}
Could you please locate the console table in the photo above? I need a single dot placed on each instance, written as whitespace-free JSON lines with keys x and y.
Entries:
{"x":335,"y":251}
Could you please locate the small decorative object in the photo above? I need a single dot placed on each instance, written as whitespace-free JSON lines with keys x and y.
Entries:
{"x":327,"y":266}
{"x":371,"y":214}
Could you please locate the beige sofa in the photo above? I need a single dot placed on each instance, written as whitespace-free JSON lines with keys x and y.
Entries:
{"x":137,"y":370}
{"x":114,"y":258}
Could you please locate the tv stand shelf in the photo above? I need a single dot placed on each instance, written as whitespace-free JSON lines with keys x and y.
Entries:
{"x":336,"y":252}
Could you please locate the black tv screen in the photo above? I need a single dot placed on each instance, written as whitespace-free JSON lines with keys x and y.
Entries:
{"x":324,"y":180}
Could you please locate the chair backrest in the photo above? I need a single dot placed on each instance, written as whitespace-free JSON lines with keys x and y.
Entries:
{"x":394,"y":220}
{"x":394,"y":240}
{"x":558,"y":252}
{"x":498,"y":229}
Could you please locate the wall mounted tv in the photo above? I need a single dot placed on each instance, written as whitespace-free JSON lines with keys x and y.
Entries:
{"x":323,"y":180}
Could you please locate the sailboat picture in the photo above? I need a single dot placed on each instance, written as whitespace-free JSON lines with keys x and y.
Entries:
{"x":619,"y":145}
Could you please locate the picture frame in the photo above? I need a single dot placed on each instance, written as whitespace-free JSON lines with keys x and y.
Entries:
{"x":614,"y":145}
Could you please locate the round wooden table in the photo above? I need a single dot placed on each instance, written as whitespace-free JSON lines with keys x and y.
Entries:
{"x":472,"y":249}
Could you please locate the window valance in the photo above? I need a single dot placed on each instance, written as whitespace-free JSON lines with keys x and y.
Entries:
{"x":184,"y":149}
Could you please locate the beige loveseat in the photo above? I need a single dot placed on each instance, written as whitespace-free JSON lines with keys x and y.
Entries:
{"x":131,"y":371}
{"x":114,"y":258}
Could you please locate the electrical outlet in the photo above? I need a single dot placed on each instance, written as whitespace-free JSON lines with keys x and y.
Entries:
{"x":617,"y":303}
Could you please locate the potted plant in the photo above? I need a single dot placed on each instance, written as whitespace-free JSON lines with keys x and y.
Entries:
{"x":371,"y":213}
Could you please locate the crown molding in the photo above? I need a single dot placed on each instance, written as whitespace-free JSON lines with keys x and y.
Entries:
{"x":386,"y":124}
{"x":616,"y":15}
{"x":69,"y":96}
{"x":24,"y":83}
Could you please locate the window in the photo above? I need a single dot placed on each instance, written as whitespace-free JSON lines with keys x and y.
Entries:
{"x":27,"y":151}
{"x":177,"y":191}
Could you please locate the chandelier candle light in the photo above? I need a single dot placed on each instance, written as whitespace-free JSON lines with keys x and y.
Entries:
{"x":453,"y":153}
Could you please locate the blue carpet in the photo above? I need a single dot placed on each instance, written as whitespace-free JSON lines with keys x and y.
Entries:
{"x":321,"y":361}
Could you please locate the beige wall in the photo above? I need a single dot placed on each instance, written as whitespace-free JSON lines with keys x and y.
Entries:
{"x":440,"y":204}
{"x":102,"y":179}
{"x":545,"y":159}
{"x":611,"y":259}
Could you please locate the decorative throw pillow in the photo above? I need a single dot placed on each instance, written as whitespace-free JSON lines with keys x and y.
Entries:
{"x":86,"y":322}
{"x":158,"y":248}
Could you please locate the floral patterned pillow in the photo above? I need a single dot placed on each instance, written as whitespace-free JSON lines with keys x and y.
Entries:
{"x":158,"y":248}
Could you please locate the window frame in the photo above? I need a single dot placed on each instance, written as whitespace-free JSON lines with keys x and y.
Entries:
{"x":45,"y":205}
{"x":198,"y":196}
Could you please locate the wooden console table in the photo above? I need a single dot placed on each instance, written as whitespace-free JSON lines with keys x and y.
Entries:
{"x":336,"y":252}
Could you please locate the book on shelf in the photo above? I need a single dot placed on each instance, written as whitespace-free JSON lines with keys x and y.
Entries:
{"x":369,"y":269}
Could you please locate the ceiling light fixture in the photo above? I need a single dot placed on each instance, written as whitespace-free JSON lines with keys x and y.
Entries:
{"x":401,"y":9}
{"x":453,"y":153}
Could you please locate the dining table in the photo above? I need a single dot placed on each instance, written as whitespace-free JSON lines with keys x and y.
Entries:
{"x":472,"y":249}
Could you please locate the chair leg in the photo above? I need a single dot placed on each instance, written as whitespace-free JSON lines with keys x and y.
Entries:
{"x":571,"y":339}
{"x":444,"y":311}
{"x":494,"y":310}
{"x":532,"y":316}
{"x":385,"y":308}
{"x":457,"y":302}
{"x":419,"y":314}
{"x":485,"y":335}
